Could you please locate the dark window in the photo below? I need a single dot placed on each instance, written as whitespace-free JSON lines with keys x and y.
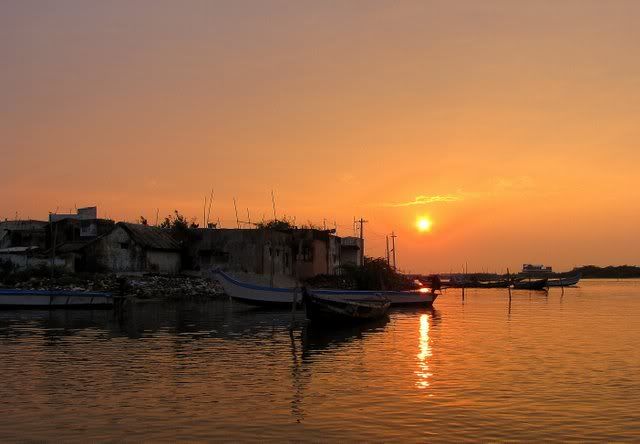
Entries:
{"x":124,"y":245}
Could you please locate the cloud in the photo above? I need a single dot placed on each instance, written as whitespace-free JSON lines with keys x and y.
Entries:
{"x":425,"y":200}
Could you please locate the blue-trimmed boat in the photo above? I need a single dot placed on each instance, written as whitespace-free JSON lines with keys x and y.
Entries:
{"x":260,"y":295}
{"x":17,"y":298}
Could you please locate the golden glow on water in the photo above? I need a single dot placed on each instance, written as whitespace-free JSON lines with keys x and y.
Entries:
{"x":424,"y":355}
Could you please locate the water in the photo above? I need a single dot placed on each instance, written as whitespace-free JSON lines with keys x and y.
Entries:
{"x":560,"y":367}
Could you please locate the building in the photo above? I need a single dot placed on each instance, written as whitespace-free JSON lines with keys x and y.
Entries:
{"x":132,"y":248}
{"x":23,"y":233}
{"x":351,"y":249}
{"x":267,"y":255}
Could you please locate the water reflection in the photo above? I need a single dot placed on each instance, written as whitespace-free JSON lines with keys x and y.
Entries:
{"x":318,"y":339}
{"x":423,"y":356}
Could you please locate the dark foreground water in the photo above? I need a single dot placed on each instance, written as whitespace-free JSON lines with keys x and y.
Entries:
{"x":560,"y":367}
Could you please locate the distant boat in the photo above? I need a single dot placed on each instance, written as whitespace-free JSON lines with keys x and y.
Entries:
{"x":490,"y":284}
{"x":274,"y":296}
{"x":564,"y":282}
{"x":332,"y":309}
{"x":528,"y":284}
{"x":17,"y":298}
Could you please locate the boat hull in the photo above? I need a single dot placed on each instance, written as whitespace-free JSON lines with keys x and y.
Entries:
{"x":540,"y":284}
{"x":53,"y":299}
{"x":563,"y":282}
{"x":397,"y":298}
{"x":256,"y":294}
{"x":331,"y":309}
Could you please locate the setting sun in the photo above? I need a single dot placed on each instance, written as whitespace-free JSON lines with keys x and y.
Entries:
{"x":423,"y":224}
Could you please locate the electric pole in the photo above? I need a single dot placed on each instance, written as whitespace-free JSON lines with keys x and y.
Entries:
{"x":387,"y":238}
{"x":362,"y":222}
{"x":393,"y":249}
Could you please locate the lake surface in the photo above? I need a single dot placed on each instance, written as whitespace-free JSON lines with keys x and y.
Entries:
{"x":559,"y":367}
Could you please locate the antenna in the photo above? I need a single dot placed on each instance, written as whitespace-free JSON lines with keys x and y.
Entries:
{"x":209,"y":211}
{"x":236,"y":208}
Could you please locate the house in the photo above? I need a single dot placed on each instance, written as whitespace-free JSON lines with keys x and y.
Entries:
{"x":133,"y":248}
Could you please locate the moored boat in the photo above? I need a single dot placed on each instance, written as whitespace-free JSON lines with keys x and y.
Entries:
{"x":335,"y":309}
{"x":529,"y":284}
{"x":256,"y":294}
{"x":564,"y":282}
{"x":424,"y":296}
{"x":17,"y":298}
{"x":278,"y":296}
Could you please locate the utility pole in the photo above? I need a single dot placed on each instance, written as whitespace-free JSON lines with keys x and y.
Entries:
{"x":393,"y":249}
{"x":387,"y":238}
{"x":362,"y":222}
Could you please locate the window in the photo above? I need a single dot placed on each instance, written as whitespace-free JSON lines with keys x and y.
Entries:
{"x":124,"y":245}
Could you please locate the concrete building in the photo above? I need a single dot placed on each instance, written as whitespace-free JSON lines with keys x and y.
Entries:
{"x":265,"y":255}
{"x":133,"y":248}
{"x":351,"y":250}
{"x":23,"y":233}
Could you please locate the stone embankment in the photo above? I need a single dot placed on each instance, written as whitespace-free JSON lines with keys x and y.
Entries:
{"x":139,"y":286}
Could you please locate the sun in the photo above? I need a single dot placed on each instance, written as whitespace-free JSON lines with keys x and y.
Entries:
{"x":423,"y":224}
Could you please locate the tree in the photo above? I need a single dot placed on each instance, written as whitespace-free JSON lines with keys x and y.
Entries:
{"x":178,"y":222}
{"x":143,"y":221}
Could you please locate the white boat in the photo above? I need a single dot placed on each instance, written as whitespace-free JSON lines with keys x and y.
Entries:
{"x":256,"y":294}
{"x":17,"y":298}
{"x":260,"y":295}
{"x":564,"y":282}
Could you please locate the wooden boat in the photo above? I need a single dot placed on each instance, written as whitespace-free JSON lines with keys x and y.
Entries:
{"x":528,"y":284}
{"x":492,"y":284}
{"x":17,"y":298}
{"x":564,"y":282}
{"x":256,"y":294}
{"x":335,"y":309}
{"x":277,"y":296}
{"x":424,"y":297}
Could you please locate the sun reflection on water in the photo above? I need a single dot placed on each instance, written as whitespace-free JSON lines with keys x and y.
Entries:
{"x":424,"y":355}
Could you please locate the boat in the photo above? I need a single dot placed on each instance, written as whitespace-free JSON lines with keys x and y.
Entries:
{"x":256,"y":294}
{"x":18,"y":298}
{"x":278,"y":296}
{"x":494,"y":284}
{"x":335,"y":309}
{"x":531,"y":284}
{"x":564,"y":282}
{"x":424,"y":296}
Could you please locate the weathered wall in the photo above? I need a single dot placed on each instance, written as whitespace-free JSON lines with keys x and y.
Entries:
{"x":247,"y":251}
{"x":119,"y":253}
{"x":163,"y":261}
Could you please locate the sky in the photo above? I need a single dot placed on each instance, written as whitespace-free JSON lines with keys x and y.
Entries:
{"x":511,"y":125}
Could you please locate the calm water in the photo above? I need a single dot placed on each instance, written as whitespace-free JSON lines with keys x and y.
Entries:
{"x":561,"y":367}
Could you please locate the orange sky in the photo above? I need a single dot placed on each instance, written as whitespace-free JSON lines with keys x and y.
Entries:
{"x":522,"y":115}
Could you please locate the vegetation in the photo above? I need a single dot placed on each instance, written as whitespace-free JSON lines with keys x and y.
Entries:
{"x":177,"y":222}
{"x":376,"y":274}
{"x":277,"y":224}
{"x":610,"y":272}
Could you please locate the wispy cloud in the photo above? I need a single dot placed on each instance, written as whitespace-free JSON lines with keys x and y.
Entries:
{"x":425,"y":200}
